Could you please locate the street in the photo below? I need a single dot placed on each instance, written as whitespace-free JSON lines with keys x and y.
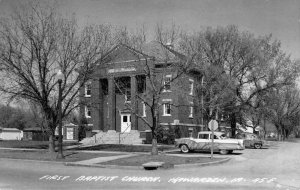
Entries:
{"x":275,"y":167}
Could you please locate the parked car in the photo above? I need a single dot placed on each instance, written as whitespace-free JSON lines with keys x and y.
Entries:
{"x":203,"y":142}
{"x":251,"y":140}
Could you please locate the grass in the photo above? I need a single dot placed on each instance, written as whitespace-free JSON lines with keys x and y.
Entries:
{"x":43,"y":155}
{"x":126,"y":148}
{"x":29,"y":144}
{"x":174,"y":160}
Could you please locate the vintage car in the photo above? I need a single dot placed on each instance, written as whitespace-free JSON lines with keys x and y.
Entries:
{"x":222,"y":144}
{"x":250,"y":140}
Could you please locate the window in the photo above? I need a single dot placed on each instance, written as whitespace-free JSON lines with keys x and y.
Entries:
{"x":191,"y":86}
{"x":215,"y":137}
{"x":167,"y":83}
{"x":167,"y":109}
{"x":144,"y":109}
{"x":125,"y":118}
{"x":191,"y":111}
{"x":88,"y":113}
{"x":203,"y":136}
{"x":88,"y":89}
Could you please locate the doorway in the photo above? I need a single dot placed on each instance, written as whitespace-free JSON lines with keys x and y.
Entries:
{"x":125,"y":123}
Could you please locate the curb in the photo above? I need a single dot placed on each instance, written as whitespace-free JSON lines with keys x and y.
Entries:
{"x":39,"y":161}
{"x":203,"y":164}
{"x":103,"y":166}
{"x":141,"y":167}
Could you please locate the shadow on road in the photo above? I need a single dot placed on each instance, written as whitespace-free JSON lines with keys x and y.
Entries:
{"x":201,"y":152}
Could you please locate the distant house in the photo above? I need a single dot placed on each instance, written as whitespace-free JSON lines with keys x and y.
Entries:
{"x":69,"y":132}
{"x":35,"y":134}
{"x":10,"y":134}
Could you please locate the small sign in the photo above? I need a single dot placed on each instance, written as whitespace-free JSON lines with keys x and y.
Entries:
{"x":213,"y":125}
{"x":118,"y":70}
{"x":70,"y":133}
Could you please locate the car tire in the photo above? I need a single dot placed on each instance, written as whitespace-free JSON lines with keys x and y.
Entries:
{"x":257,"y":146}
{"x":184,"y":148}
{"x":223,"y":152}
{"x":230,"y":151}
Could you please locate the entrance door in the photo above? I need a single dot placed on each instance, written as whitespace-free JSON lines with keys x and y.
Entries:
{"x":125,"y":123}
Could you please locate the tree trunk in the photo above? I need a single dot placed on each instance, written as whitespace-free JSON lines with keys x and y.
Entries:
{"x":154,"y":150}
{"x":233,"y":124}
{"x":286,"y":134}
{"x":51,"y":131}
{"x":51,"y":143}
{"x":280,"y":135}
{"x":265,"y":130}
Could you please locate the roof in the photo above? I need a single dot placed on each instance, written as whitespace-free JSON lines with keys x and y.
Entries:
{"x":10,"y":129}
{"x":159,"y":51}
{"x":32,"y":129}
{"x":152,"y":50}
{"x":107,"y":57}
{"x":210,"y":132}
{"x":70,"y":125}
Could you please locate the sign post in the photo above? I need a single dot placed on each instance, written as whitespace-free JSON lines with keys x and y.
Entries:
{"x":212,"y":125}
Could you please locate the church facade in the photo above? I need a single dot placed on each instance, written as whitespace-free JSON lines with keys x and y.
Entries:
{"x":116,"y":97}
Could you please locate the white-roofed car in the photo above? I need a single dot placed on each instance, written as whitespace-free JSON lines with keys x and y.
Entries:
{"x":203,"y":142}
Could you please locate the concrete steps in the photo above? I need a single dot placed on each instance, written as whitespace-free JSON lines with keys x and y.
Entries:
{"x":113,"y":137}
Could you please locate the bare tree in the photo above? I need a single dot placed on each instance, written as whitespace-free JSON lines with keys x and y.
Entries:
{"x":283,"y":110}
{"x":238,"y":68}
{"x":35,"y":43}
{"x":156,"y":84}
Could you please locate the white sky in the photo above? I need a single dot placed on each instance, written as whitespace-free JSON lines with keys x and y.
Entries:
{"x":261,"y":17}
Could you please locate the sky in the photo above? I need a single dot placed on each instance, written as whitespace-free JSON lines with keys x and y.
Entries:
{"x":261,"y":17}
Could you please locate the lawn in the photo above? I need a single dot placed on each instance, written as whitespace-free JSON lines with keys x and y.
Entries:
{"x":29,"y":144}
{"x":71,"y":156}
{"x":101,"y":147}
{"x":174,"y":160}
{"x":41,"y":153}
{"x":126,"y":148}
{"x":44,"y":155}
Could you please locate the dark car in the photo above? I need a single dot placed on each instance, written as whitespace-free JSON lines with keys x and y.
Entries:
{"x":251,"y":140}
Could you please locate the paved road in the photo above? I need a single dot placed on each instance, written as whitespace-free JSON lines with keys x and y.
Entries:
{"x":274,"y":168}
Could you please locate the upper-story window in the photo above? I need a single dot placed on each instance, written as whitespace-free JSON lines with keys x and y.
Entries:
{"x":88,"y":112}
{"x":191,"y":114}
{"x":166,"y":109}
{"x":167,"y":82}
{"x":144,"y":109}
{"x":191,"y":86}
{"x":88,"y":89}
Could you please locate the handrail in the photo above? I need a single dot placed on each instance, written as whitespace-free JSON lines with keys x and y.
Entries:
{"x":123,"y":132}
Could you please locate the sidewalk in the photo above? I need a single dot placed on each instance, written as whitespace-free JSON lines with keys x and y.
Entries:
{"x":96,"y":162}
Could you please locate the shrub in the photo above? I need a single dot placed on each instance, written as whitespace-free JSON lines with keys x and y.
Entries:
{"x":165,"y":135}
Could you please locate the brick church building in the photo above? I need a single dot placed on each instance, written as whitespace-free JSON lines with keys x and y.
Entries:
{"x":113,"y":100}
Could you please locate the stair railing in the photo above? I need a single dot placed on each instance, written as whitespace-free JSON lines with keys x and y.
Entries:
{"x":123,"y":133}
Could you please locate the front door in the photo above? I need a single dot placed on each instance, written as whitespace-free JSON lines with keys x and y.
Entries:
{"x":125,"y":123}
